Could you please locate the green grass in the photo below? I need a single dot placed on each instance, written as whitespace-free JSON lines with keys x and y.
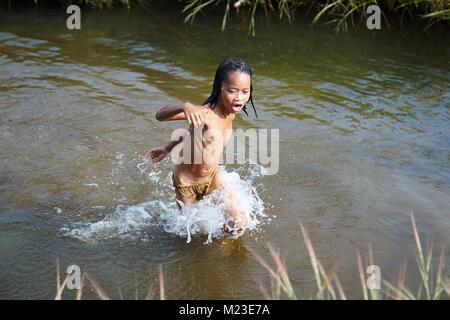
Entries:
{"x":88,"y":281}
{"x":327,"y":286}
{"x":342,"y":14}
{"x":433,"y":286}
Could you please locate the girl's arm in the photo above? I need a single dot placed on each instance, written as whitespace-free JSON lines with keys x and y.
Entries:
{"x":169,"y":113}
{"x":186,"y":111}
{"x":159,"y":153}
{"x":169,"y":147}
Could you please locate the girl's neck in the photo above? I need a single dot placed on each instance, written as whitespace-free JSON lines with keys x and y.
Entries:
{"x":221,"y":111}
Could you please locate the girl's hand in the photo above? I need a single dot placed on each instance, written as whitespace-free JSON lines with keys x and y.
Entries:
{"x":194,"y":115}
{"x":157,"y":154}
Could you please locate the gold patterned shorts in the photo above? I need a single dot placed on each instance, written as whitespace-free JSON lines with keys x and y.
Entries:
{"x":197,"y":190}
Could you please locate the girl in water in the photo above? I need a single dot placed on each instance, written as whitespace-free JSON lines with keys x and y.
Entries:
{"x":210,"y":127}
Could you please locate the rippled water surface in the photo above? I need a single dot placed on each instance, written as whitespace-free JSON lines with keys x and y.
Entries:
{"x":365,"y":141}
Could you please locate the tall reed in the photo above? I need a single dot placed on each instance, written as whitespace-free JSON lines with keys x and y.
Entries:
{"x":327,"y":285}
{"x":343,"y":14}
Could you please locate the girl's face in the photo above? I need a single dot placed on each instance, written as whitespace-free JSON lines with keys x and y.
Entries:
{"x":235,"y":91}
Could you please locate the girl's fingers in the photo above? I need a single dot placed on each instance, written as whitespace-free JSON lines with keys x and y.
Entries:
{"x":193,"y":120}
{"x":199,"y":119}
{"x":196,"y":120}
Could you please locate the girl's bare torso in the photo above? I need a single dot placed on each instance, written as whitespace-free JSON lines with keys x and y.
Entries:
{"x":204,"y":147}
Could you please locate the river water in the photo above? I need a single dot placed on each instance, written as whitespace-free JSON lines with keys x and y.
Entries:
{"x":364,"y":143}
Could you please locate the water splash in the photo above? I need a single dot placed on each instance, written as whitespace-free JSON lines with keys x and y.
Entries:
{"x":206,"y":217}
{"x":124,"y":222}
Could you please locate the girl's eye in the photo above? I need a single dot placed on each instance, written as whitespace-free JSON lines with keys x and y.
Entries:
{"x":233,"y":92}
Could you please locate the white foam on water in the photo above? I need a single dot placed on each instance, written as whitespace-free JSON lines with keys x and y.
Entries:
{"x":91,"y":185}
{"x":206,"y":217}
{"x":124,"y":222}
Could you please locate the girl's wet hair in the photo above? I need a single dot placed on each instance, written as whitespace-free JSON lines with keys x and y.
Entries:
{"x":223,"y":70}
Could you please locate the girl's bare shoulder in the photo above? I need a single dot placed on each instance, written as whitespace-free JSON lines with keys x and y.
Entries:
{"x":206,"y":107}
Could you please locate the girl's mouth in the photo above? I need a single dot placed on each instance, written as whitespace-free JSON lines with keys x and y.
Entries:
{"x":236,"y":107}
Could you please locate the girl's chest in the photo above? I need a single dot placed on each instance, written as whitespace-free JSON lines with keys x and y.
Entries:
{"x":216,"y":133}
